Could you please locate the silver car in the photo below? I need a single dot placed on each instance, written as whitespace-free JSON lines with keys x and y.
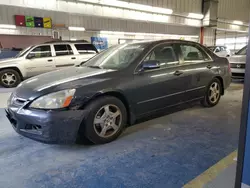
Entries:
{"x":238,"y":63}
{"x":43,"y":58}
{"x":221,"y":51}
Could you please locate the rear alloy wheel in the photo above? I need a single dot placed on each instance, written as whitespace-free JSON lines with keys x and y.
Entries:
{"x":9,"y":78}
{"x":213,"y":93}
{"x":105,"y":121}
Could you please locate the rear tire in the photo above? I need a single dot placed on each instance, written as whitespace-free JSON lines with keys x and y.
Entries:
{"x":9,"y":78}
{"x":105,"y":121}
{"x":213,"y":93}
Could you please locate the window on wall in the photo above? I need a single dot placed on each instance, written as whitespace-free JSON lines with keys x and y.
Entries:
{"x":62,"y":49}
{"x":232,"y":43}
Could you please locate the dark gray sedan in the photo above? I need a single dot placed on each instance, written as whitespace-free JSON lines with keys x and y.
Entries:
{"x":116,"y":87}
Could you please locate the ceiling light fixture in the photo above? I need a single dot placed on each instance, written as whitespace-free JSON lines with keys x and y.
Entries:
{"x":132,"y":6}
{"x":76,"y":28}
{"x":146,"y":34}
{"x":237,"y":22}
{"x":7,"y":26}
{"x":195,"y":15}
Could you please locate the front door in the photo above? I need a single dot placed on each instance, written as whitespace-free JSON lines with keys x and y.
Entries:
{"x":65,"y":56}
{"x":163,"y":86}
{"x":39,"y":60}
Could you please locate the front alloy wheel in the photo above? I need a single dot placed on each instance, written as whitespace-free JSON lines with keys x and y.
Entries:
{"x":9,"y":78}
{"x":105,"y":121}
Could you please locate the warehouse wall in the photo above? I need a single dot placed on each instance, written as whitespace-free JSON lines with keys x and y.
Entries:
{"x":177,"y":5}
{"x":234,"y":10}
{"x":89,"y":22}
{"x":88,"y":8}
{"x":209,"y":37}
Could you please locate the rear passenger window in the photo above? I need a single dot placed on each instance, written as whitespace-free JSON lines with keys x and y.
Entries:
{"x":193,"y":54}
{"x":85,"y":48}
{"x":62,"y":49}
{"x":165,"y":54}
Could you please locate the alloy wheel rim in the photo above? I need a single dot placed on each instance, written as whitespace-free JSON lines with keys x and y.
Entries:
{"x":8,"y":78}
{"x":214,"y":92}
{"x":107,"y":121}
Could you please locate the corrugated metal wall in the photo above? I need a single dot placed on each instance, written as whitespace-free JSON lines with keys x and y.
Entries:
{"x":177,"y":5}
{"x":209,"y":36}
{"x":234,"y":9}
{"x":89,"y":22}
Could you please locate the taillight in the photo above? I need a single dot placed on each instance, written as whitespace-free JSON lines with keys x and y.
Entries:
{"x":229,"y":67}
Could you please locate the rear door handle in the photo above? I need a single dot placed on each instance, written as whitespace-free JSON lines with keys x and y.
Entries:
{"x":178,"y":73}
{"x":209,"y":66}
{"x":49,"y":60}
{"x":73,"y":57}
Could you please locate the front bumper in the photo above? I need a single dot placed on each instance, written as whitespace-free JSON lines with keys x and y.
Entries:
{"x":238,"y":73}
{"x":46,"y":126}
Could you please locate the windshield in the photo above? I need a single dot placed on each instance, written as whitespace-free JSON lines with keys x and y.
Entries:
{"x":242,"y":51}
{"x":23,"y":52}
{"x":116,"y":57}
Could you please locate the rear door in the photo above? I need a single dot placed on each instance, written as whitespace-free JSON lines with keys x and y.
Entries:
{"x":161,"y":87}
{"x":198,"y":66}
{"x":64,"y":56}
{"x":39,"y":60}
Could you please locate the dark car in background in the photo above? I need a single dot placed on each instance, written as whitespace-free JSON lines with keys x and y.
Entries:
{"x":114,"y":88}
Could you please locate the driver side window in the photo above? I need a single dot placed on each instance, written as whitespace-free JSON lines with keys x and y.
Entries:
{"x":40,"y":52}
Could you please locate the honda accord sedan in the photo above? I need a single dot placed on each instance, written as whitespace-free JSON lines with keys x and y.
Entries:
{"x":126,"y":82}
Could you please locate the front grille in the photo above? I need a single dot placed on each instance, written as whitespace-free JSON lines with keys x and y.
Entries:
{"x":237,"y":66}
{"x":239,"y":75}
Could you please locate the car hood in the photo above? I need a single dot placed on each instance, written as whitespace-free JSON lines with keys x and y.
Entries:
{"x":237,"y":59}
{"x":9,"y":60}
{"x":69,"y":78}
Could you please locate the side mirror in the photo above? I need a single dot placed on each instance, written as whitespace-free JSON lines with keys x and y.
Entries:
{"x":150,"y":64}
{"x":30,"y":56}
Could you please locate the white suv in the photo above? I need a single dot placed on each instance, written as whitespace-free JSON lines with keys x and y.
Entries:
{"x":221,"y":51}
{"x":43,"y":58}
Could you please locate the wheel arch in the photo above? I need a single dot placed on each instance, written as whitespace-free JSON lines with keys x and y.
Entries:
{"x":121,"y":97}
{"x":14,"y":68}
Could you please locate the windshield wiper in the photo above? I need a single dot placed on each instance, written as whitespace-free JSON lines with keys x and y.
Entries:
{"x":95,"y":66}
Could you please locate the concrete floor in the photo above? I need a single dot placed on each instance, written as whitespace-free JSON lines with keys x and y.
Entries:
{"x":167,"y":151}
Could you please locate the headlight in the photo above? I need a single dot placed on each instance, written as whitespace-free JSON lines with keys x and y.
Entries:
{"x":55,"y":100}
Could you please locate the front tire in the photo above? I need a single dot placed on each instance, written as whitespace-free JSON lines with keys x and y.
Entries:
{"x":9,"y":78}
{"x":105,"y":121}
{"x":213,"y":93}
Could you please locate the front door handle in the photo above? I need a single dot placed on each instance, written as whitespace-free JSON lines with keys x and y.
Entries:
{"x":73,"y":57}
{"x":209,"y":66}
{"x":178,"y":73}
{"x":49,"y":60}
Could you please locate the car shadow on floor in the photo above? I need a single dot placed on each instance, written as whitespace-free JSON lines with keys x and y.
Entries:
{"x":146,"y":122}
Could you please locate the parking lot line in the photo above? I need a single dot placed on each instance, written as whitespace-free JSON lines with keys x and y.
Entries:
{"x":212,"y":172}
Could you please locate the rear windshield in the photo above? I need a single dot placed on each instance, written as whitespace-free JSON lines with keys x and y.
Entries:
{"x":85,"y":48}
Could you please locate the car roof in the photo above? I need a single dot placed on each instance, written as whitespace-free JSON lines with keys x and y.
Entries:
{"x":155,"y":42}
{"x":66,"y":41}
